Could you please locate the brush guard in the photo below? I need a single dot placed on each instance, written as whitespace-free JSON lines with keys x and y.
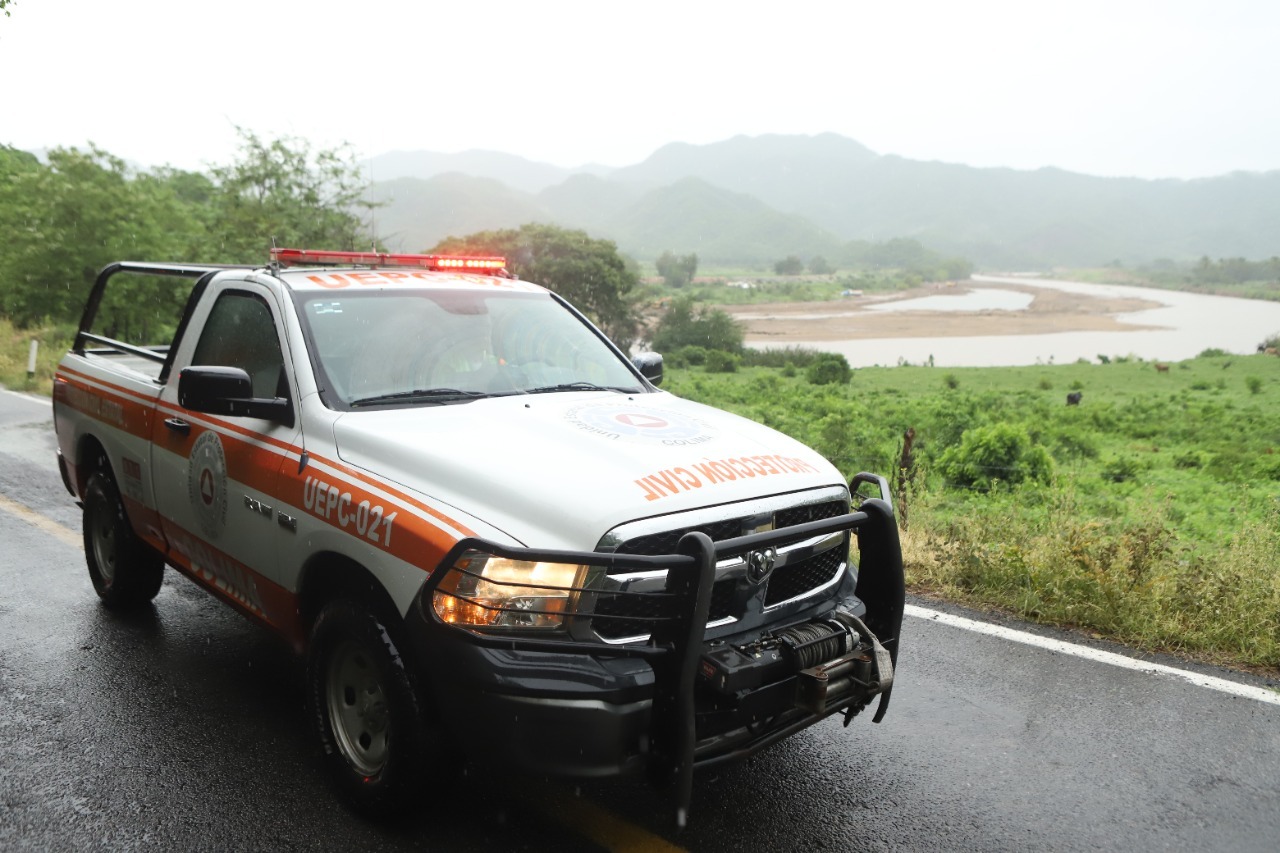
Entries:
{"x":837,"y":662}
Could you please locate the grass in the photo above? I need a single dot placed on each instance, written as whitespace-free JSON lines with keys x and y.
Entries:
{"x":1159,"y":525}
{"x":15,"y":347}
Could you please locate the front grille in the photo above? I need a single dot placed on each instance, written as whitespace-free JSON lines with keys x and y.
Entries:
{"x":798,"y":578}
{"x":631,"y":615}
{"x":665,"y":542}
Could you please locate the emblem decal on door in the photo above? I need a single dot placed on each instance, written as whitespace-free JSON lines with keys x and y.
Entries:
{"x":207,"y":483}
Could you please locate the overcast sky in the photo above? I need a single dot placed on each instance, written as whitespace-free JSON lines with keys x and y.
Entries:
{"x":1121,"y":87}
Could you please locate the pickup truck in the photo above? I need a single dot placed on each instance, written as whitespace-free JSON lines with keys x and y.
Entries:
{"x":483,"y":527}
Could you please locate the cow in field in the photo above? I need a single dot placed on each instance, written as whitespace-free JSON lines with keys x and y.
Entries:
{"x":1073,"y":399}
{"x":1162,"y":368}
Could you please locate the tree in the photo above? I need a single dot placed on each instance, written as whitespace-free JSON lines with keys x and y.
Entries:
{"x":5,"y":4}
{"x":280,"y":191}
{"x":66,"y":220}
{"x":687,"y":324}
{"x":819,"y":266}
{"x":790,"y":265}
{"x":588,"y":272}
{"x":677,"y":270}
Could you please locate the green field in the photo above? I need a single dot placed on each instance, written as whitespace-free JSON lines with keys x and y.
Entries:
{"x":1148,"y":513}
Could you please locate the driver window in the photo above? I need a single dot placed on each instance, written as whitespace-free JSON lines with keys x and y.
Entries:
{"x":240,"y":332}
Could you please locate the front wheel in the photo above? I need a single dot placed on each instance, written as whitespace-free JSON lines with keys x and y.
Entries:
{"x":126,"y":573}
{"x":365,"y":710}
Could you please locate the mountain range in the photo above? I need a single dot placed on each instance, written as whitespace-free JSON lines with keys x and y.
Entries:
{"x":754,"y":200}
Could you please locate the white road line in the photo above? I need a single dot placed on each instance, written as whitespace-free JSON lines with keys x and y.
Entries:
{"x":1222,"y":685}
{"x":30,"y":398}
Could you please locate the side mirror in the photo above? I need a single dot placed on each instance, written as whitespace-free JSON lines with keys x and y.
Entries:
{"x":228,"y":391}
{"x":650,"y":366}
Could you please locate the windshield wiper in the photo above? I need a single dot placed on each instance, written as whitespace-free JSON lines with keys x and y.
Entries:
{"x":437,"y":395}
{"x":580,"y":386}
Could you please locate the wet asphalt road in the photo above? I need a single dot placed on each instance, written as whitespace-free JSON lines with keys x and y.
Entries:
{"x":182,"y":729}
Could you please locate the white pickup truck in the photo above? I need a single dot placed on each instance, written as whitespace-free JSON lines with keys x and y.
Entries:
{"x":484,"y":526}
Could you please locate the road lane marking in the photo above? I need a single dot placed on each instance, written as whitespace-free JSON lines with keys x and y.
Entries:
{"x":611,"y":832}
{"x":35,"y":519}
{"x":1235,"y":688}
{"x":43,"y":402}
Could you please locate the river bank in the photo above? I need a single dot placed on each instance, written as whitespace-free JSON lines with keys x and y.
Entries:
{"x":1062,"y":321}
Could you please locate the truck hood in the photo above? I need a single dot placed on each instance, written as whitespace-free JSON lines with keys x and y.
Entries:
{"x":561,"y":470}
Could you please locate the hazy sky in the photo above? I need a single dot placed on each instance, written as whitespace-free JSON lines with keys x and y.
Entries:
{"x":1121,"y":87}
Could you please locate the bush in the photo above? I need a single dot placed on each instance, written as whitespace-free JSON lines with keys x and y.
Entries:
{"x":794,"y":356}
{"x":999,"y":452}
{"x":951,"y":381}
{"x":1254,"y":384}
{"x":686,"y":324}
{"x":719,"y":361}
{"x":693,"y":354}
{"x":1120,"y":469}
{"x":829,"y":369}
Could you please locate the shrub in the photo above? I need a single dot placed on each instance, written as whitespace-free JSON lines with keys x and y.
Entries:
{"x":719,"y":361}
{"x":1075,"y":444}
{"x":1120,"y":469}
{"x":1254,"y":384}
{"x":999,"y":452}
{"x":1212,"y":352}
{"x":829,"y":369}
{"x":686,"y":324}
{"x":693,"y":354}
{"x":1189,"y":460}
{"x":795,"y":356}
{"x":951,"y":381}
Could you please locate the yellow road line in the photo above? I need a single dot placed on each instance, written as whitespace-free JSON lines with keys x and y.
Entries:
{"x":35,"y":519}
{"x":600,"y":825}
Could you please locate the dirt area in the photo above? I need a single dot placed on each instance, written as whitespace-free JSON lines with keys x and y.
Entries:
{"x":844,"y":319}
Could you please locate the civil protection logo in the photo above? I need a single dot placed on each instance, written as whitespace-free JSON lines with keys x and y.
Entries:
{"x":640,"y":423}
{"x":207,"y":483}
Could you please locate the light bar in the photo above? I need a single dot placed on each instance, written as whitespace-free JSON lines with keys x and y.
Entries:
{"x":310,"y":257}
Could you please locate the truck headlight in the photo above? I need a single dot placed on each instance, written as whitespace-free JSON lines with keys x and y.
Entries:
{"x":484,"y":591}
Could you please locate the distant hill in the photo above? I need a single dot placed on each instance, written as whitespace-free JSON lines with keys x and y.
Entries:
{"x":691,"y":215}
{"x":516,"y":172}
{"x":417,"y":213}
{"x":753,"y":199}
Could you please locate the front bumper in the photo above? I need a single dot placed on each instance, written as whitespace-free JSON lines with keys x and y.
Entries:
{"x":675,"y":701}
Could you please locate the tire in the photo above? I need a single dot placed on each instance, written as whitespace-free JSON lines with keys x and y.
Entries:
{"x":365,"y":711}
{"x":125,"y":571}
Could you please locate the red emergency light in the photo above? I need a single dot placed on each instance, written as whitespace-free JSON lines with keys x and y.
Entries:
{"x":460,"y":263}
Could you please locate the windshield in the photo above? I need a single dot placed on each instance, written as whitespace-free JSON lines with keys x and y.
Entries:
{"x":440,"y":346}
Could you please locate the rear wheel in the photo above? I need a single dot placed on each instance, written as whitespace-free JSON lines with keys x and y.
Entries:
{"x":126,"y":573}
{"x":365,"y":710}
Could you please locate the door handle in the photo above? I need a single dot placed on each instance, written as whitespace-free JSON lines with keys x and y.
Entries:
{"x":178,"y":425}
